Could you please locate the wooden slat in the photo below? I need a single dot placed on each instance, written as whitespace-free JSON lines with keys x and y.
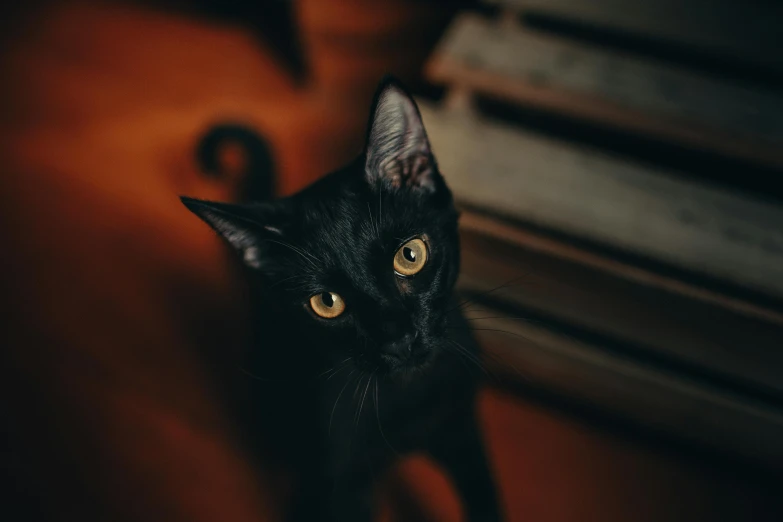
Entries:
{"x":608,"y":87}
{"x":664,"y":402}
{"x":745,"y":31}
{"x":494,"y":228}
{"x":583,"y":192}
{"x":650,"y":315}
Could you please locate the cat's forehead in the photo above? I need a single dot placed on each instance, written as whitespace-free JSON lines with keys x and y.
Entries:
{"x":349,"y":234}
{"x":349,"y":224}
{"x":336,"y":223}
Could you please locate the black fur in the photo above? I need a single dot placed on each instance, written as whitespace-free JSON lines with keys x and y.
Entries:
{"x":342,"y":398}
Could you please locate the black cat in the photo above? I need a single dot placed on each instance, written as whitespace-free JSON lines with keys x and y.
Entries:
{"x":362,"y":354}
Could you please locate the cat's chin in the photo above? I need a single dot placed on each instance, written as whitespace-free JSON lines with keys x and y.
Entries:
{"x":411,"y":367}
{"x":407,"y":372}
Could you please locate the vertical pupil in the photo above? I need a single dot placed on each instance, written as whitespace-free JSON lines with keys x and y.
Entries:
{"x":327,"y":299}
{"x":409,"y":254}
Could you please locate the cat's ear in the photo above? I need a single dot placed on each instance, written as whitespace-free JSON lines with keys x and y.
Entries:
{"x":398,"y":151}
{"x":243,"y":226}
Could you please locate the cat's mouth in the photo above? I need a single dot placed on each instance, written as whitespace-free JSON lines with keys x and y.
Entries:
{"x":418,"y":358}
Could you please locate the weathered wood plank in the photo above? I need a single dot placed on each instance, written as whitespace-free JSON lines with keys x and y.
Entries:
{"x":651,"y":315}
{"x":513,"y":234}
{"x":664,"y":402}
{"x":609,"y":87}
{"x":745,"y":31}
{"x":636,"y":208}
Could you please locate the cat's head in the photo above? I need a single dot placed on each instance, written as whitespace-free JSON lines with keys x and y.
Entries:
{"x":359,"y":266}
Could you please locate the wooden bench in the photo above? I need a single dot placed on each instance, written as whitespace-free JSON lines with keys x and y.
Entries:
{"x":670,"y":356}
{"x":741,"y":31}
{"x":645,"y":293}
{"x":590,"y":194}
{"x":610,"y":87}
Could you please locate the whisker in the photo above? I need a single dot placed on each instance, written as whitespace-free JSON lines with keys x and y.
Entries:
{"x":527,"y":319}
{"x":342,"y":364}
{"x":361,"y":405}
{"x":335,"y":366}
{"x":338,"y":370}
{"x":464,"y":350}
{"x":524,"y":337}
{"x":503,"y":331}
{"x":501,"y":361}
{"x":470,"y":357}
{"x":373,"y":225}
{"x":331,"y":416}
{"x":358,"y":385}
{"x":498,"y":330}
{"x":380,"y":211}
{"x":280,"y":281}
{"x":461,"y":359}
{"x":311,"y":260}
{"x":378,"y":417}
{"x":332,"y":372}
{"x":496,"y":357}
{"x":507,"y":284}
{"x":474,"y":320}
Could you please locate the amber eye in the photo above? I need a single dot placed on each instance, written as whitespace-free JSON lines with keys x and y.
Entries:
{"x":327,"y":305}
{"x":410,"y":258}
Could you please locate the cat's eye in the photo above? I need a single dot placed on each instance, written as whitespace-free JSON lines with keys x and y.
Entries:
{"x":327,"y":305}
{"x":410,"y":258}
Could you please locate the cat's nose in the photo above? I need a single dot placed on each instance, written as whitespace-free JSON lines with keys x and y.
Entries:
{"x":400,"y":348}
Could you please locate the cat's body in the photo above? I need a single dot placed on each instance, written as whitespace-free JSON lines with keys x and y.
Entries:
{"x":341,"y":431}
{"x":362,"y":355}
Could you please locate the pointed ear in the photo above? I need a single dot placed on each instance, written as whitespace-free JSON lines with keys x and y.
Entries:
{"x":241,"y":225}
{"x":398,"y":151}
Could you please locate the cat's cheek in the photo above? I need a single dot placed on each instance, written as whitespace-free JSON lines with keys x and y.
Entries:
{"x":405,"y":286}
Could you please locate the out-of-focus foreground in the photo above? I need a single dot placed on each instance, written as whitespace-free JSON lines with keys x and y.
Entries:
{"x":619,"y":173}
